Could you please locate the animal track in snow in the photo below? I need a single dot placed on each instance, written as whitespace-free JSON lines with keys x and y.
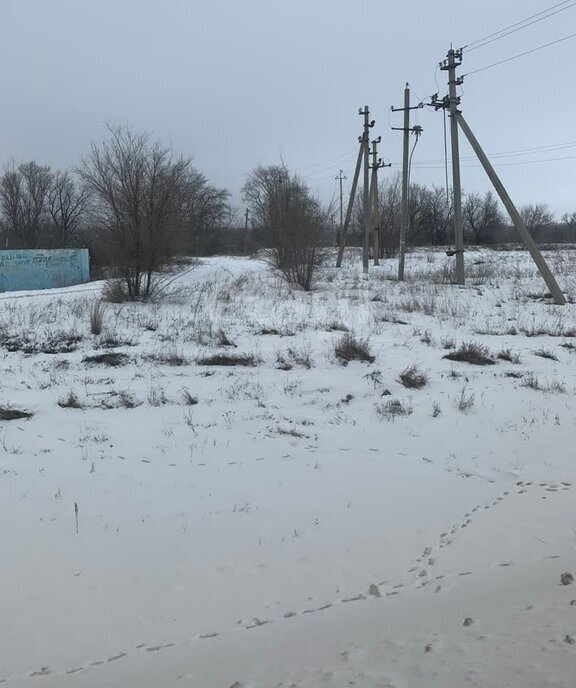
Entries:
{"x":426,"y":561}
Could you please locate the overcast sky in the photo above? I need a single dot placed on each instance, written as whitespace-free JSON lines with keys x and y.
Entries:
{"x":235,"y":83}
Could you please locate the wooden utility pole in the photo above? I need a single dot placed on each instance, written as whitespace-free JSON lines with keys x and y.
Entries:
{"x":366,"y":216}
{"x":454,"y":59}
{"x":341,"y":176}
{"x":519,"y":223}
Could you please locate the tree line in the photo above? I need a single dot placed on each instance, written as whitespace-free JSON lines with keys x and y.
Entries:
{"x":431,"y":218}
{"x":137,"y":205}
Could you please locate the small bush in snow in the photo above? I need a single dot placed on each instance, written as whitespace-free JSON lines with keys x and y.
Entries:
{"x":222,"y":339}
{"x":157,"y":396}
{"x":96,"y":317}
{"x":110,"y":358}
{"x":412,"y":378}
{"x":392,"y":409}
{"x":246,"y":360}
{"x":189,"y":400}
{"x":9,"y":413}
{"x":350,"y":348}
{"x":286,"y":360}
{"x":465,"y":401}
{"x":507,"y":355}
{"x":471,"y":352}
{"x":115,"y":291}
{"x":70,"y":401}
{"x":546,"y":353}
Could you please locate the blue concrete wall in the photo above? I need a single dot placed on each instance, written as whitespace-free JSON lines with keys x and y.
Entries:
{"x":43,"y":269}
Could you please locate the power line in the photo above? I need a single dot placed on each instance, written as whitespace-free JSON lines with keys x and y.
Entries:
{"x":320,"y":164}
{"x":519,"y":28}
{"x":515,"y":57}
{"x":510,"y":153}
{"x":497,"y":164}
{"x":486,"y":39}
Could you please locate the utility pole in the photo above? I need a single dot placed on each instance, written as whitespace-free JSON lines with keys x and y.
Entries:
{"x":451,"y":102}
{"x":246,"y":216}
{"x":454,"y":59}
{"x":344,"y":232}
{"x":519,"y":223}
{"x":366,"y":220}
{"x":341,"y":176}
{"x":375,"y":214}
{"x":404,"y":210}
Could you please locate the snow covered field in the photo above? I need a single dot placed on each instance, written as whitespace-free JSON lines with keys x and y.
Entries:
{"x":295,"y":521}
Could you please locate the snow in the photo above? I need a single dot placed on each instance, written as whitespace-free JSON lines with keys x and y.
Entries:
{"x":282,"y":531}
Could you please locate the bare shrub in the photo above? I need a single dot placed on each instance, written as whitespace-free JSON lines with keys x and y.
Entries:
{"x":96,"y":317}
{"x":413,"y":378}
{"x":286,"y":360}
{"x":531,"y":381}
{"x":289,"y":221}
{"x":391,"y":409}
{"x":222,"y":339}
{"x":111,"y":341}
{"x":157,"y":396}
{"x":246,"y":360}
{"x":171,"y":358}
{"x":553,"y":386}
{"x":115,"y":291}
{"x":471,"y":352}
{"x":127,"y":400}
{"x":9,"y":413}
{"x":110,"y":358}
{"x":189,"y":399}
{"x":350,"y":348}
{"x":507,"y":355}
{"x":465,"y":401}
{"x":546,"y":353}
{"x":336,"y":326}
{"x":70,"y":401}
{"x":436,"y":410}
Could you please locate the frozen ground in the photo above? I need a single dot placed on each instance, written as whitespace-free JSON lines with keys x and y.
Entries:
{"x":279,"y":525}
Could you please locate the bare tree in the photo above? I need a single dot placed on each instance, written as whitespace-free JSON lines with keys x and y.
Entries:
{"x":24,"y":201}
{"x":481,"y":216}
{"x":569,"y":219}
{"x":537,"y":217}
{"x":66,"y":206}
{"x":139,"y":192}
{"x":390,"y":198}
{"x":208,"y":216}
{"x":289,"y":222}
{"x":437,"y":215}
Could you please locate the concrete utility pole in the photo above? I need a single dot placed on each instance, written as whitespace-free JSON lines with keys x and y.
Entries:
{"x":375,"y":210}
{"x":341,"y":176}
{"x":404,"y":210}
{"x":366,"y":220}
{"x":344,"y":232}
{"x":454,"y":59}
{"x":519,"y":223}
